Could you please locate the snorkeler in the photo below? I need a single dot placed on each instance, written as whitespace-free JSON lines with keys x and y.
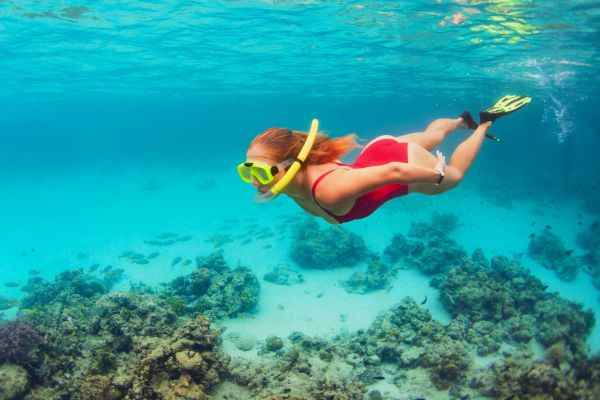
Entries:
{"x":306,"y":168}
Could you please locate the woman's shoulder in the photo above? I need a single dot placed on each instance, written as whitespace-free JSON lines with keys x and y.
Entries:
{"x":324,"y":194}
{"x":319,"y":169}
{"x":317,"y":172}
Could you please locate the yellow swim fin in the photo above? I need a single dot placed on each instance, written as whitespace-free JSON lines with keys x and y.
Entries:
{"x":506,"y":105}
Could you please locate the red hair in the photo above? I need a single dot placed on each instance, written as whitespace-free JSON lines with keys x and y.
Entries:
{"x":285,"y":143}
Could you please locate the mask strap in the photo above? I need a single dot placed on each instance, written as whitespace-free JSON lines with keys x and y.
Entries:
{"x":286,"y":164}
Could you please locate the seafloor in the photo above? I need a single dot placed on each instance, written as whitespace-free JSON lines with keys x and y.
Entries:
{"x":488,"y":300}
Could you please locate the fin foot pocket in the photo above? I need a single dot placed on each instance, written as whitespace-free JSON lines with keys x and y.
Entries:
{"x":468,"y":118}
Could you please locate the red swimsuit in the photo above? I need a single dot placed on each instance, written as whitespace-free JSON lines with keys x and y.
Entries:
{"x":381,"y":152}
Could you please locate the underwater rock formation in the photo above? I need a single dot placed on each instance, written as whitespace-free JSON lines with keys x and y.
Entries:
{"x":6,"y":304}
{"x":242,"y":342}
{"x":448,"y":362}
{"x":69,"y":288}
{"x":590,"y":241}
{"x":402,"y":249}
{"x":298,"y":373}
{"x":14,"y":382}
{"x":492,"y":294}
{"x":180,"y":366}
{"x":434,"y":252}
{"x":117,"y":345}
{"x":439,"y":227}
{"x":215,"y":290}
{"x":377,"y":276}
{"x":559,"y":320}
{"x":434,"y":256}
{"x":407,"y":336}
{"x":514,"y":305}
{"x":17,"y":339}
{"x":112,"y":277}
{"x":156,"y":344}
{"x":398,"y":347}
{"x":549,"y":250}
{"x":333,"y":247}
{"x":273,"y":343}
{"x":284,"y":276}
{"x":519,"y":376}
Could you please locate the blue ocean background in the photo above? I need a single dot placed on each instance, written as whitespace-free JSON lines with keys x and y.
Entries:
{"x":122,"y":121}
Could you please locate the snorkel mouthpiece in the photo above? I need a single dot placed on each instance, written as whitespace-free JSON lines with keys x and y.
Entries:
{"x":264,"y":197}
{"x":294,"y":168}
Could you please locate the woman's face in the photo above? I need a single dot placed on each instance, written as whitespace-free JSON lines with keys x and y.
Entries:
{"x":264,"y":156}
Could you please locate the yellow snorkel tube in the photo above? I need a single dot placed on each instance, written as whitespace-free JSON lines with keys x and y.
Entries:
{"x":294,"y":168}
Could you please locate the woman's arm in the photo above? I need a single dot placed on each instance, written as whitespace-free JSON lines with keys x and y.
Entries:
{"x":348,"y":184}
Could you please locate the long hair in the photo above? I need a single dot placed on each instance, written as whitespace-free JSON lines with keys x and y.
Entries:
{"x":285,"y":143}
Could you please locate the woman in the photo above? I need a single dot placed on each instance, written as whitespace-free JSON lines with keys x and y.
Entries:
{"x":387,"y":167}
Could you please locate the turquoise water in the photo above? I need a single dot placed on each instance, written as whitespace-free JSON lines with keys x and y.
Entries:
{"x":122,"y":124}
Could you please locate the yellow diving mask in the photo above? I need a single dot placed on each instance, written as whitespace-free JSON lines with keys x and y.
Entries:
{"x":262,"y":172}
{"x":266,"y":173}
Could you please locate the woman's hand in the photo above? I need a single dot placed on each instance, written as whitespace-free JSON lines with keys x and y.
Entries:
{"x":441,"y":162}
{"x":440,"y":167}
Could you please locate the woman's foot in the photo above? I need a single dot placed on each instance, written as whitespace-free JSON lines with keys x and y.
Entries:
{"x":467,"y":121}
{"x":484,"y":127}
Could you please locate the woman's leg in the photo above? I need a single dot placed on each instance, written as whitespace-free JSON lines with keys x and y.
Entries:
{"x":431,"y":137}
{"x":461,"y":161}
{"x":435,"y":132}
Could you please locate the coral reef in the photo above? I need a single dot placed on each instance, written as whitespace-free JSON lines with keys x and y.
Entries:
{"x":408,"y":337}
{"x":6,"y":304}
{"x":70,"y":288}
{"x":117,"y":345}
{"x":298,"y":373}
{"x":403,"y":343}
{"x":440,"y":226}
{"x":333,"y":247}
{"x":434,"y":252}
{"x":496,"y":305}
{"x":112,"y":277}
{"x":492,"y":294}
{"x":402,"y":249}
{"x":14,"y":381}
{"x":548,"y":249}
{"x":561,"y":320}
{"x":182,"y":366}
{"x":242,"y":342}
{"x":449,"y":362}
{"x":76,"y":340}
{"x":434,"y":256}
{"x":284,"y":276}
{"x":377,"y":276}
{"x":215,"y":290}
{"x":17,"y":339}
{"x":590,"y":241}
{"x":506,"y":302}
{"x":518,"y":376}
{"x":273,"y":343}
